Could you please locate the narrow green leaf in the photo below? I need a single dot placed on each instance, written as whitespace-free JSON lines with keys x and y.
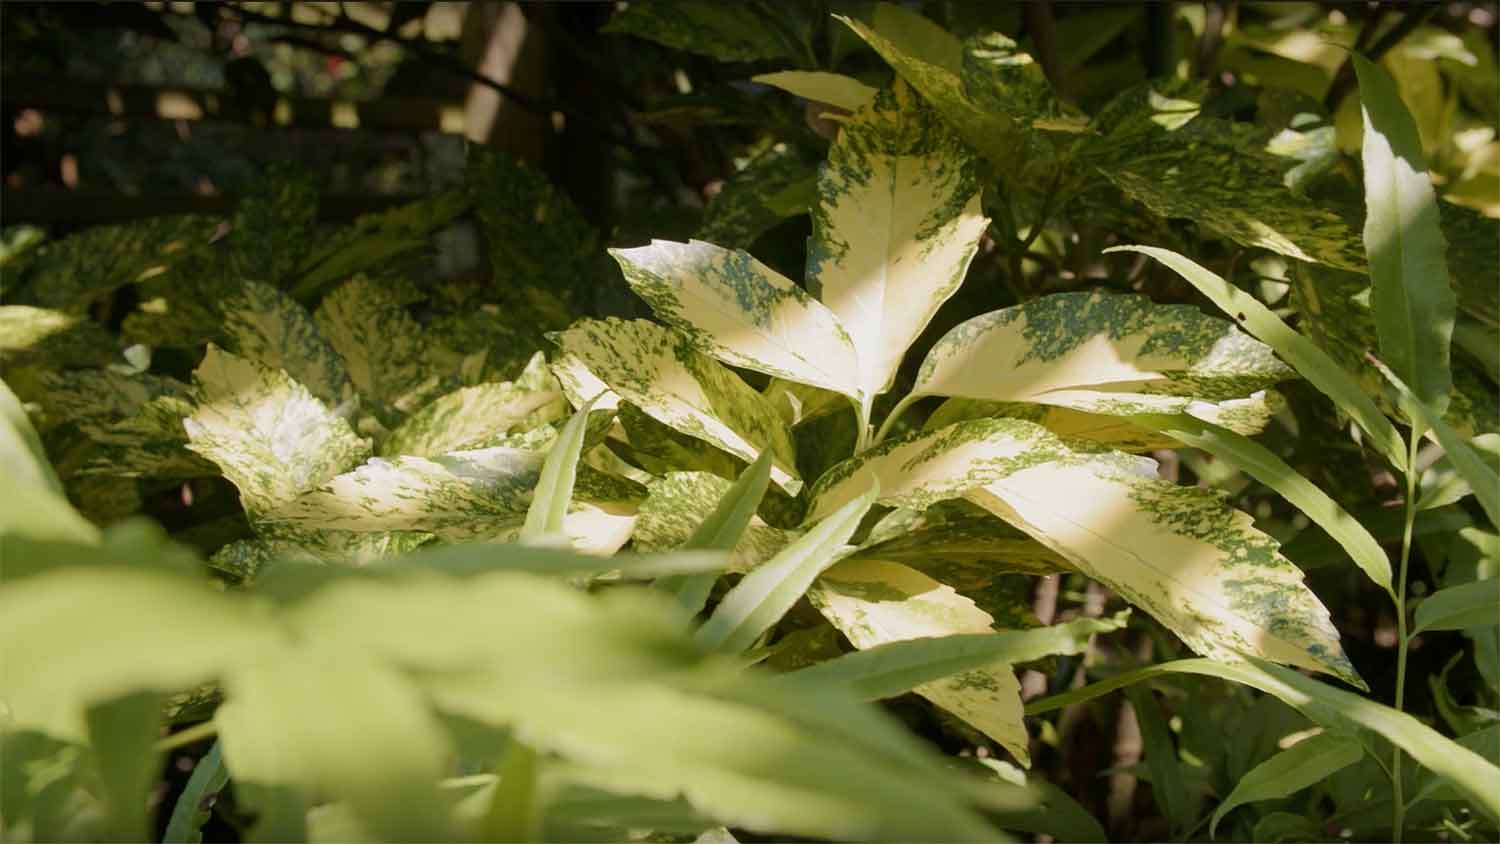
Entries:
{"x":721,"y":531}
{"x":1304,"y":356}
{"x":1466,"y":461}
{"x":1474,"y":604}
{"x":1410,"y":293}
{"x":122,"y":732}
{"x":514,"y":813}
{"x":1167,"y":784}
{"x":554,"y":489}
{"x":1305,"y":763}
{"x":846,"y":92}
{"x":896,"y":668}
{"x":764,"y":595}
{"x":195,"y":803}
{"x":1260,"y":463}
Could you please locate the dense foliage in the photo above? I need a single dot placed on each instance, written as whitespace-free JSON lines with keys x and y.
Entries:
{"x":1054,"y":377}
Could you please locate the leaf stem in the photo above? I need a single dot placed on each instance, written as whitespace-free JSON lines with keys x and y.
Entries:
{"x":890,"y":418}
{"x":1398,"y":819}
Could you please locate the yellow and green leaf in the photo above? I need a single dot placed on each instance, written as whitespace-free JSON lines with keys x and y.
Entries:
{"x":262,"y":324}
{"x":474,"y":417}
{"x":381,"y":344}
{"x":836,"y":89}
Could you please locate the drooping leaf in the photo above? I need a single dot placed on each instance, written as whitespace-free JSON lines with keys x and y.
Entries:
{"x":658,"y":371}
{"x":380,"y":343}
{"x":744,"y":313}
{"x":1167,"y":782}
{"x":875,"y":603}
{"x":262,"y":324}
{"x":726,"y":32}
{"x":722,"y":530}
{"x":764,"y":595}
{"x":1097,"y":353}
{"x":271,"y":437}
{"x":1413,"y":303}
{"x":897,"y":222}
{"x":150,"y":443}
{"x":846,"y":92}
{"x":1304,"y":356}
{"x":1305,"y":763}
{"x":97,"y":399}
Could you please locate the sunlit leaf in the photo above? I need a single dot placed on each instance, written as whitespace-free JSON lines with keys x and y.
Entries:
{"x":553,"y":491}
{"x":474,"y":417}
{"x":846,"y":92}
{"x":380,"y":343}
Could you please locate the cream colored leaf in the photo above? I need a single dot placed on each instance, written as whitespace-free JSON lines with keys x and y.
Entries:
{"x":580,"y":385}
{"x":874,"y":602}
{"x":1247,"y":416}
{"x":1098,"y":353}
{"x":271,"y":437}
{"x":846,"y":92}
{"x":742,"y":312}
{"x":474,"y":417}
{"x":895,"y":228}
{"x":657,"y":370}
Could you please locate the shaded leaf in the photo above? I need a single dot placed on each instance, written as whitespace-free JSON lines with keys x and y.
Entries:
{"x":726,"y":32}
{"x":721,"y":530}
{"x":380,"y":343}
{"x":262,"y":324}
{"x":373,"y":240}
{"x":1305,"y":763}
{"x":1474,"y":604}
{"x":777,"y":183}
{"x":836,"y":89}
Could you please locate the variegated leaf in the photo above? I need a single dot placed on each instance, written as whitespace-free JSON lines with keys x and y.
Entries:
{"x":678,"y":503}
{"x":373,"y":240}
{"x":262,"y":324}
{"x":874,"y":602}
{"x":1179,"y":552}
{"x":1090,"y":351}
{"x":778,"y":182}
{"x":895,"y":228}
{"x":659,"y":450}
{"x":152,"y":443}
{"x":41,"y":337}
{"x":1247,"y":416}
{"x":580,"y":385}
{"x":846,"y":92}
{"x":272,"y":438}
{"x":474,"y":417}
{"x":381,"y":344}
{"x":657,"y":370}
{"x":798,"y":403}
{"x":744,"y":313}
{"x":97,"y":399}
{"x":959,"y":544}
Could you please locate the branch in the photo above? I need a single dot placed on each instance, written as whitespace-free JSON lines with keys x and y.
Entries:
{"x":1343,"y":83}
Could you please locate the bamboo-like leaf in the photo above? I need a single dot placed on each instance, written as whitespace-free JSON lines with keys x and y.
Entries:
{"x":262,"y":324}
{"x":678,"y":504}
{"x":514,"y":812}
{"x":764,"y":595}
{"x":744,"y":313}
{"x":722,"y":530}
{"x":895,"y":228}
{"x":1474,"y":604}
{"x":271,"y":437}
{"x":658,"y":371}
{"x":380,"y":343}
{"x":1304,"y":356}
{"x":474,"y":417}
{"x":1476,"y":777}
{"x":1097,"y":353}
{"x":1260,"y":463}
{"x":1410,"y":293}
{"x":195,"y":804}
{"x":22,"y":455}
{"x":1305,"y":763}
{"x":554,"y":487}
{"x":846,"y":92}
{"x":1167,"y":785}
{"x":1484,"y":480}
{"x":902,"y":665}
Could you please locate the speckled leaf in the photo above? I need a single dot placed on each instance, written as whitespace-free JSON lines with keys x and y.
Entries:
{"x":726,"y":31}
{"x":677,"y":504}
{"x":272,"y":438}
{"x":1093,"y":352}
{"x":474,"y":417}
{"x":896,"y":226}
{"x":381,"y":344}
{"x":373,"y":240}
{"x":581,"y":385}
{"x":781,"y":181}
{"x":97,"y":399}
{"x":659,"y":450}
{"x":798,"y":403}
{"x":742,"y":312}
{"x":658,"y":371}
{"x":959,"y":544}
{"x":846,"y":92}
{"x":1249,"y":415}
{"x":151,"y":443}
{"x":1178,"y":552}
{"x":262,"y":324}
{"x":42,"y":337}
{"x":1413,"y":302}
{"x":274,"y":225}
{"x":876,"y":602}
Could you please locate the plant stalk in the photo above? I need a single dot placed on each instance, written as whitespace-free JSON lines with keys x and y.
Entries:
{"x":1398,"y":804}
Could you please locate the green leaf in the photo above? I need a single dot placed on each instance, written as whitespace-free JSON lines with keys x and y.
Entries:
{"x":1260,"y":463}
{"x":272,"y":438}
{"x":265,"y":325}
{"x":381,"y":344}
{"x":1468,"y":605}
{"x":875,"y":603}
{"x":1413,"y":302}
{"x":1484,"y":480}
{"x":475,"y":417}
{"x":1167,"y":784}
{"x":959,"y":544}
{"x":897,"y":223}
{"x":899,"y":666}
{"x":554,"y":487}
{"x":744,"y":313}
{"x":679,"y":503}
{"x":514,"y":812}
{"x":658,"y":371}
{"x":34,"y":505}
{"x":726,"y":32}
{"x":96,"y":400}
{"x":122,"y":733}
{"x":1098,"y":353}
{"x":764,"y":595}
{"x":720,"y":531}
{"x":1306,"y":763}
{"x":1474,"y":776}
{"x":273,"y":226}
{"x":41,"y":337}
{"x":194,"y":804}
{"x":780,"y":181}
{"x":22,"y":455}
{"x":1304,"y":356}
{"x":846,"y":92}
{"x":372,"y":241}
